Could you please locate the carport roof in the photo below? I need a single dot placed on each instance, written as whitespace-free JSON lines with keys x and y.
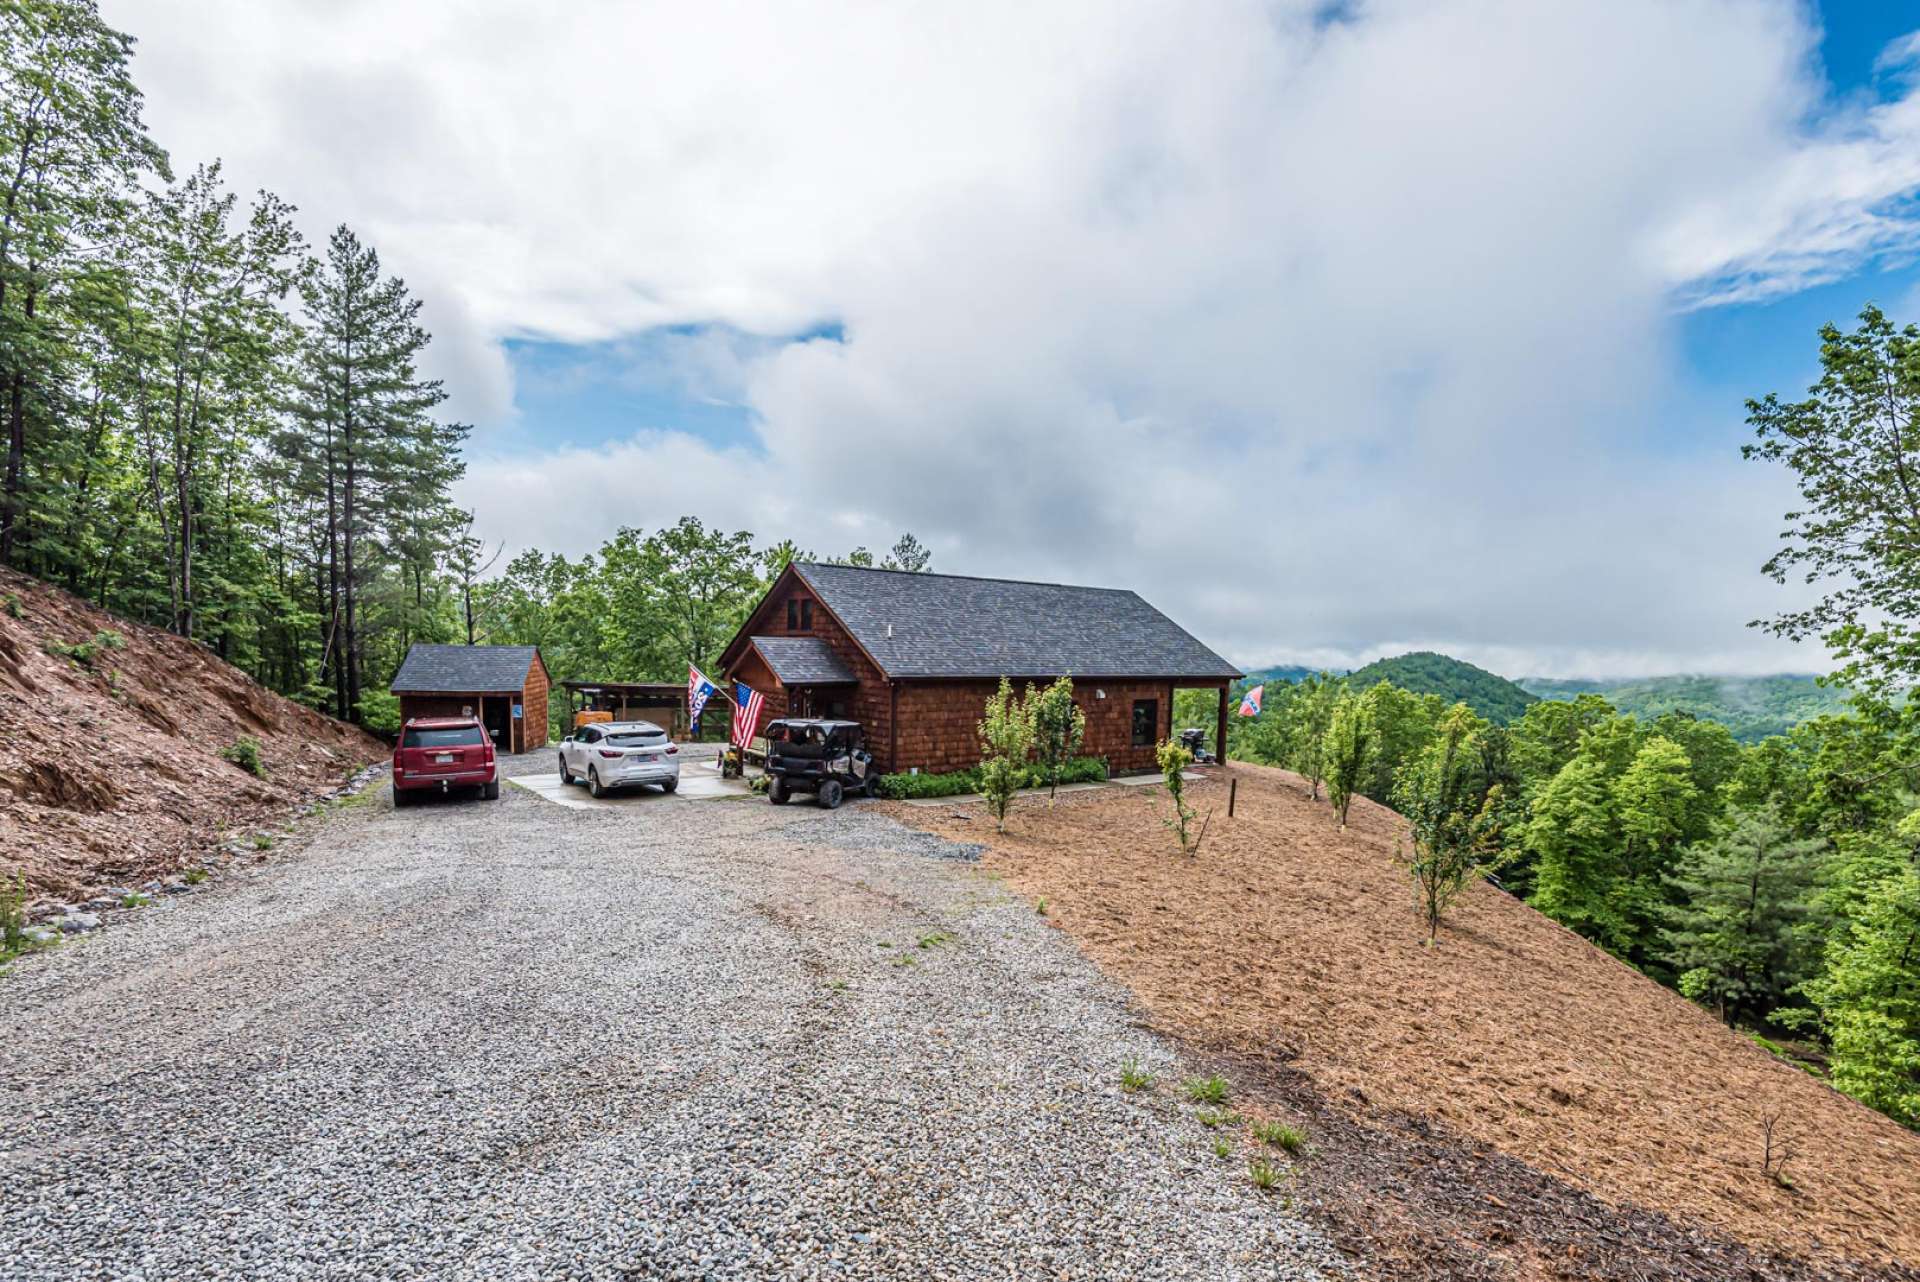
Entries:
{"x":803,"y":661}
{"x":464,"y":669}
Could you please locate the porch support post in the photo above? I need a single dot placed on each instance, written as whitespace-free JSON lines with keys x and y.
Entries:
{"x":1220,"y":733}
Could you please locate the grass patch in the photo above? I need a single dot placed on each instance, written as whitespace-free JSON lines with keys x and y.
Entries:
{"x":906,"y":959}
{"x":1288,"y":1139}
{"x":1134,"y":1078}
{"x":1206,"y":1090}
{"x":1265,"y":1175}
{"x":83,"y":653}
{"x":194,"y":876}
{"x":261,"y":841}
{"x":135,"y":899}
{"x":14,"y":939}
{"x":935,"y":940}
{"x":245,"y":753}
{"x":1041,"y":907}
{"x":15,"y":610}
{"x":1223,"y":1148}
{"x":1215,"y":1118}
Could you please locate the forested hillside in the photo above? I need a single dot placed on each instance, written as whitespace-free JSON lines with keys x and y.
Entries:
{"x":1751,"y":707}
{"x":1454,"y":680}
{"x":1776,"y":882}
{"x":213,"y":427}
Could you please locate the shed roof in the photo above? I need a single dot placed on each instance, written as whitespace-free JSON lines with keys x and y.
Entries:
{"x":464,"y":669}
{"x":803,"y":661}
{"x":945,"y":625}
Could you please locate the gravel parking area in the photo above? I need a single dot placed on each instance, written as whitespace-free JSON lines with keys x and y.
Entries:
{"x":692,"y":1040}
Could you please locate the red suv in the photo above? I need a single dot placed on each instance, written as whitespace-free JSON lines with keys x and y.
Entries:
{"x":441,"y":753}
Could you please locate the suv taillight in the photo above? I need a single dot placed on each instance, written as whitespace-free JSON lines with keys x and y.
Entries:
{"x":609,"y":752}
{"x":672,"y":749}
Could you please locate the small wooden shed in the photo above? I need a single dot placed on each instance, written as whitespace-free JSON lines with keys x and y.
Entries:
{"x":505,"y":686}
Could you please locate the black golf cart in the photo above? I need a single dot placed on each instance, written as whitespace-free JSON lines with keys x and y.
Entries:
{"x":826,"y":758}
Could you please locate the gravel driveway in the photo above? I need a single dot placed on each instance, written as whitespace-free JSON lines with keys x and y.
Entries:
{"x":684,"y":1040}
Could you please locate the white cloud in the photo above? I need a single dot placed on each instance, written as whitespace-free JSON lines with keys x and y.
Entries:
{"x":1321,"y":335}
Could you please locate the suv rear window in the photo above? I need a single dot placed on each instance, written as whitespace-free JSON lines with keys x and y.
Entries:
{"x":636,"y":738}
{"x":458,"y":737}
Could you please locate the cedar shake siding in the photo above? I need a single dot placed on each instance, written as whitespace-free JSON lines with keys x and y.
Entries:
{"x":914,"y":658}
{"x":485,"y":681}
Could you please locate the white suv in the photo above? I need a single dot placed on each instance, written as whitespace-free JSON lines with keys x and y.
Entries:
{"x":618,"y":754}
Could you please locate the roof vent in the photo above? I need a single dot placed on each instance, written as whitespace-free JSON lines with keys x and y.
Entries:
{"x":889,"y":632}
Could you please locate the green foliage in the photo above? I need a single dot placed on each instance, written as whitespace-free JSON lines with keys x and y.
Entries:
{"x":1174,"y":758}
{"x":244,"y":752}
{"x":1006,"y":740}
{"x":1450,"y":812}
{"x":85,"y":652}
{"x":1288,"y":1139}
{"x":1453,"y":680}
{"x":1265,"y":1175}
{"x":1853,"y":447}
{"x":1058,"y":729}
{"x":1205,"y":1090}
{"x":380,"y":711}
{"x":15,"y":610}
{"x":1868,"y":1001}
{"x":1134,"y":1078}
{"x":1350,"y":745}
{"x":1744,"y":935}
{"x":958,"y":783}
{"x":1752,"y":708}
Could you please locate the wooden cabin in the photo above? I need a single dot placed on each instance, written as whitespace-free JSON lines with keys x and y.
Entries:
{"x":914,"y":657}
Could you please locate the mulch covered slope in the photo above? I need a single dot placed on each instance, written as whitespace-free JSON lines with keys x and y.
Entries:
{"x":1511,"y":1103}
{"x":110,"y":771}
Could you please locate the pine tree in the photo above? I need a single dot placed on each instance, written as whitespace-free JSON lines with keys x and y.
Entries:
{"x":1741,"y":939}
{"x":363,"y":444}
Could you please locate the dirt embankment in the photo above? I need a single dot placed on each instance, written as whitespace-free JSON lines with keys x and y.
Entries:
{"x":1513,"y":1103}
{"x":110,"y":767}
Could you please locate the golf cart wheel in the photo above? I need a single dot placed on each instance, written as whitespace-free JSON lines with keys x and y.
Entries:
{"x":593,"y":781}
{"x":777,"y":791}
{"x":669,"y":785}
{"x":871,"y":787}
{"x":566,"y":775}
{"x":830,"y":794}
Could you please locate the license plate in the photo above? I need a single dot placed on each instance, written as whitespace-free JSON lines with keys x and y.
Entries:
{"x":443,"y":758}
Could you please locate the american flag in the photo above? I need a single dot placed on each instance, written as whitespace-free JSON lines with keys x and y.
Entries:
{"x":747,"y":703}
{"x":699,"y":690}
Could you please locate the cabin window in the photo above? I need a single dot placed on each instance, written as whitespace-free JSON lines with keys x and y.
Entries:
{"x":793,"y":615}
{"x":799,"y":614}
{"x":806,"y":616}
{"x":1146,"y":722}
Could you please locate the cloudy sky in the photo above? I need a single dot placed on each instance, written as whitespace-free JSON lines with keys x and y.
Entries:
{"x":1335,"y":329}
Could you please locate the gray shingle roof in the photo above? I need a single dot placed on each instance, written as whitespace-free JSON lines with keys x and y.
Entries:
{"x":463,"y":669}
{"x":948,"y":626}
{"x":799,"y":661}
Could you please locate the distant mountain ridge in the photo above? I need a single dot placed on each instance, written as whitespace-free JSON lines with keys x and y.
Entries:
{"x":1455,"y":680}
{"x":1751,"y":707}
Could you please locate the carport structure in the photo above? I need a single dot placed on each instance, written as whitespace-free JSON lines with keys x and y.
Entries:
{"x":505,"y":686}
